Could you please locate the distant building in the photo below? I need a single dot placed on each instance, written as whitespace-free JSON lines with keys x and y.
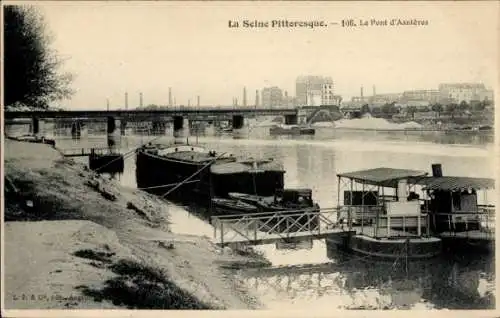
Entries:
{"x":418,"y":104}
{"x":307,"y":85}
{"x":328,"y":98}
{"x":381,"y":99}
{"x":271,"y":97}
{"x":429,"y":95}
{"x":458,"y":92}
{"x":314,"y":97}
{"x":287,"y":101}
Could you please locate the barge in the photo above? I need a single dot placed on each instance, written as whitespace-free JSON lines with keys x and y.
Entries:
{"x":291,"y":130}
{"x":190,"y":173}
{"x":386,"y":222}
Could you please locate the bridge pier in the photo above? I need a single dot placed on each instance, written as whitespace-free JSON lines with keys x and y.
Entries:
{"x":238,"y":121}
{"x":291,"y":119}
{"x":35,"y":126}
{"x":123,"y":126}
{"x":111,"y":128}
{"x":238,"y":125}
{"x":76,"y":129}
{"x":181,"y":127}
{"x":302,"y":116}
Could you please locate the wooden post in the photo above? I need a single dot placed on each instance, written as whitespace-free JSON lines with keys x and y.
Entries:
{"x":419,"y":229}
{"x":362,"y":205}
{"x":349,"y":217}
{"x":222,"y":233}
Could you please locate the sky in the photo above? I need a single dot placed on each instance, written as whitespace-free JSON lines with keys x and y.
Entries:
{"x":147,"y":47}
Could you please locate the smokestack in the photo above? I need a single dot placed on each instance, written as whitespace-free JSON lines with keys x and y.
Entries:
{"x":244,"y":96}
{"x":374,"y":91}
{"x":170,"y":96}
{"x":126,"y":101}
{"x":362,"y":93}
{"x":107,"y":104}
{"x":235,"y":101}
{"x":140,"y":99}
{"x":256,"y":98}
{"x":189,"y":102}
{"x":198,"y":101}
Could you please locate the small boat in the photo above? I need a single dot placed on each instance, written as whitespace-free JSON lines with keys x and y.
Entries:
{"x":295,"y":204}
{"x":291,"y":130}
{"x":283,"y":200}
{"x":223,"y":206}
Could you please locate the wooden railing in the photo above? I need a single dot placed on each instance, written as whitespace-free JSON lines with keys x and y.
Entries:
{"x":284,"y":224}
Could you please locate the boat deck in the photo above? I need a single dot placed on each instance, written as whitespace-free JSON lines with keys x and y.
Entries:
{"x":472,"y":235}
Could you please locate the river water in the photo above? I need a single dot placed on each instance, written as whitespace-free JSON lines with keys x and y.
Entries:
{"x":312,"y":276}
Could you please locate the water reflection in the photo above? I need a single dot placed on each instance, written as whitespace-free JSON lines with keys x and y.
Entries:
{"x":350,"y":282}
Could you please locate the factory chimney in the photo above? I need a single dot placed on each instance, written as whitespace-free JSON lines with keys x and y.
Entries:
{"x":126,"y":101}
{"x":170,"y":96}
{"x":244,"y":96}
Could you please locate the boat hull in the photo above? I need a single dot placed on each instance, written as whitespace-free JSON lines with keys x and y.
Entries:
{"x":158,"y":175}
{"x":390,"y":249}
{"x":291,"y":131}
{"x":230,"y":207}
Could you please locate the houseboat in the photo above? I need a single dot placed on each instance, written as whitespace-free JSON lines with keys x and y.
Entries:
{"x":385,"y":220}
{"x":455,"y":213}
{"x":291,"y":130}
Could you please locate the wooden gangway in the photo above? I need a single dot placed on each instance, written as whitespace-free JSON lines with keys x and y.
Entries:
{"x":270,"y":227}
{"x":85,"y":152}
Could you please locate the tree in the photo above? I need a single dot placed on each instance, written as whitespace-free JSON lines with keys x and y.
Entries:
{"x":463,"y":106}
{"x":31,"y":74}
{"x":451,"y":108}
{"x":365,"y":109}
{"x":438,"y":108}
{"x":411,"y":110}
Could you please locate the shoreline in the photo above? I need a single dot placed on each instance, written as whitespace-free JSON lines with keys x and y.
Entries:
{"x":97,"y":244}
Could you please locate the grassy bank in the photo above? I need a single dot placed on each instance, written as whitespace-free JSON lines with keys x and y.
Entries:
{"x":96,"y":244}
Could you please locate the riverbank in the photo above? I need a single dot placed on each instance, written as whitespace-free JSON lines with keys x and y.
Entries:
{"x":88,"y":242}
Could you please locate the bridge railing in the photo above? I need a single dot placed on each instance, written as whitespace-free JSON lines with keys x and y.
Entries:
{"x":264,"y":225}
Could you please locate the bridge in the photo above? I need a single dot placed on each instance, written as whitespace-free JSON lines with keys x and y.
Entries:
{"x":270,"y":227}
{"x":179,"y":115}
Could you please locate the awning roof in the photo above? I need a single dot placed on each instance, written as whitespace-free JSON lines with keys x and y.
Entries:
{"x":450,"y":183}
{"x":386,"y":177}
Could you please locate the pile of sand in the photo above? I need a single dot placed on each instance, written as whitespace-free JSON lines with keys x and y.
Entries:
{"x":374,"y":123}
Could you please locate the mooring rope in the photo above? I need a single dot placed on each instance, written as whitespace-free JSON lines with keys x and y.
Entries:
{"x":194,"y":174}
{"x":128,"y":153}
